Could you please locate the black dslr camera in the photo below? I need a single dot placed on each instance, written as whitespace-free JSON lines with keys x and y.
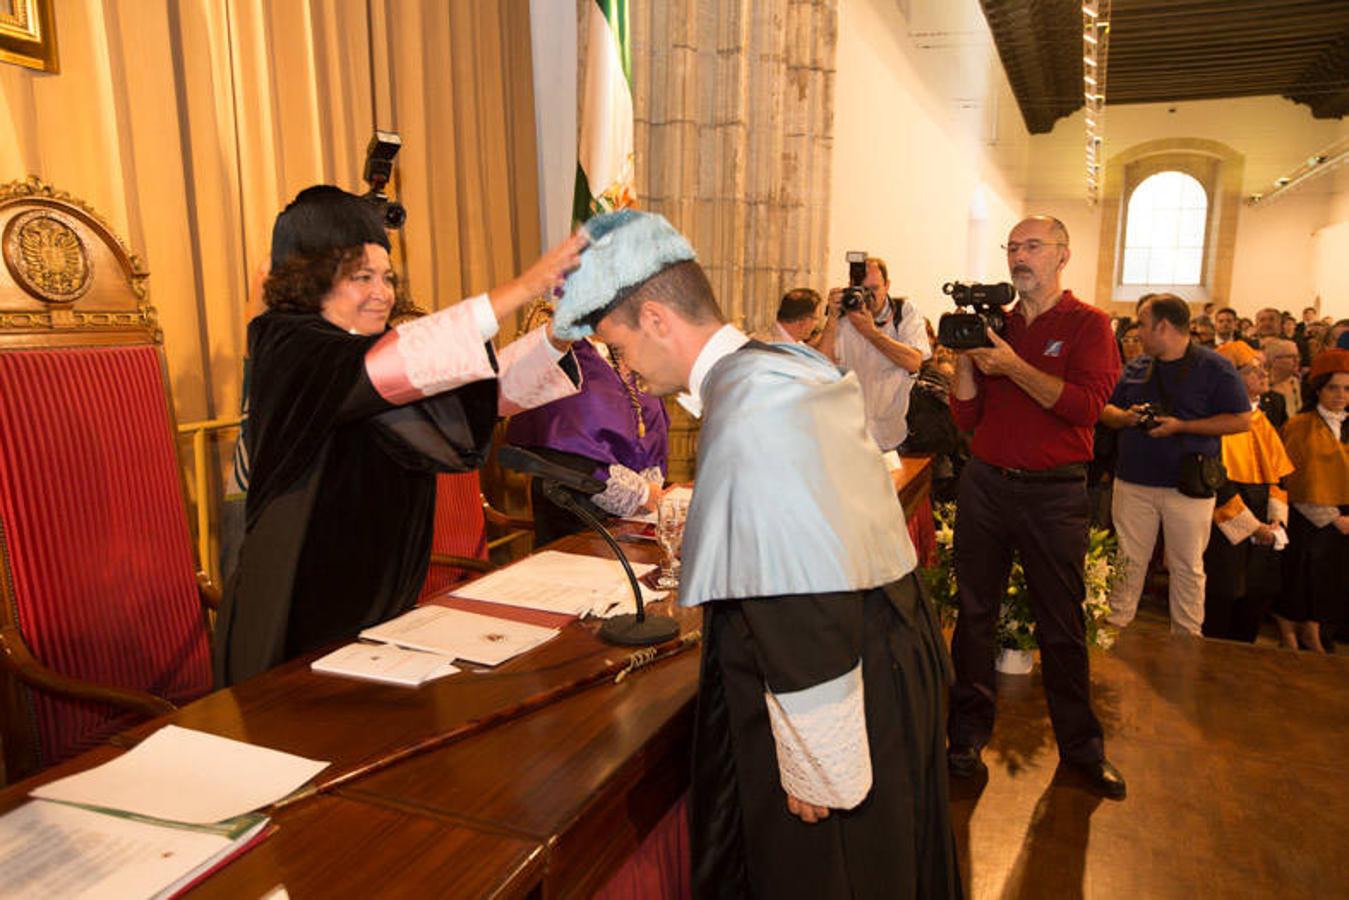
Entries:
{"x":965,"y":330}
{"x":1147,"y":416}
{"x":854,"y":295}
{"x":384,"y":146}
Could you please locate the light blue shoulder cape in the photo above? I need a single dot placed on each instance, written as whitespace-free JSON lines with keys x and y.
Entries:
{"x":792,"y":496}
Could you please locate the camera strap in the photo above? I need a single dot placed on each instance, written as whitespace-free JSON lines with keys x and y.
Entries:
{"x":1186,"y":361}
{"x":896,"y":312}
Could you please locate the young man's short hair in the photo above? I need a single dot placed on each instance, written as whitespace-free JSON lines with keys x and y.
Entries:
{"x":1169,"y":308}
{"x":683,"y":287}
{"x":798,"y":304}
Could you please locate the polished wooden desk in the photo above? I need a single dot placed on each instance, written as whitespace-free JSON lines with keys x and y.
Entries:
{"x":335,"y":847}
{"x":523,"y":780}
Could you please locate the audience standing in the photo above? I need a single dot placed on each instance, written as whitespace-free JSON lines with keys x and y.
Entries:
{"x":1312,"y":605}
{"x":1174,"y":405}
{"x":1242,"y":559}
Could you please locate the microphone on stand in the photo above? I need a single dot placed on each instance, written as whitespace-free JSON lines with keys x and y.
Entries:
{"x":559,"y":483}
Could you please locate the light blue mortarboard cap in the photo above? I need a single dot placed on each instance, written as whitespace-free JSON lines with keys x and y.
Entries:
{"x":626,"y":248}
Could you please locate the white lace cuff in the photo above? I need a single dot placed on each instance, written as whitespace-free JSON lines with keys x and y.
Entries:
{"x":623,"y":493}
{"x":1318,"y":515}
{"x":821,"y":735}
{"x":1278,"y":511}
{"x":1239,"y":527}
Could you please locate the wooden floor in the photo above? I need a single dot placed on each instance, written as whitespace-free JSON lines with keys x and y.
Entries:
{"x":1236,"y":758}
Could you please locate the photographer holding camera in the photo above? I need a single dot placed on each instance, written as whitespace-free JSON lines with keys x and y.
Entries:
{"x":882,"y":339}
{"x":1031,"y":399}
{"x":1173,"y":405}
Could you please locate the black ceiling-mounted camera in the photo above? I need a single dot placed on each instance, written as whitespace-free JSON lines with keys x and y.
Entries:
{"x":966,"y":330}
{"x":379,"y":155}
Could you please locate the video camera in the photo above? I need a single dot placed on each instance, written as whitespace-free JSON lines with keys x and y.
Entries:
{"x":854,"y":295}
{"x":966,"y":330}
{"x":383,"y":147}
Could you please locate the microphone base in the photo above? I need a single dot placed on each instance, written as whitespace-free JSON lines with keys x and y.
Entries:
{"x":630,"y":632}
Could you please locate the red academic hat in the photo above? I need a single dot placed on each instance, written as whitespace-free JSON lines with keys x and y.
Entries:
{"x":1328,"y":362}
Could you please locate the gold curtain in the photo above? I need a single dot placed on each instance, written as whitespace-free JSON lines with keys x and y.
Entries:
{"x":189,"y":123}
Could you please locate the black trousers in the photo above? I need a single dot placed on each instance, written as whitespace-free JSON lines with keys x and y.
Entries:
{"x":1243,"y":579}
{"x":1046,"y":523}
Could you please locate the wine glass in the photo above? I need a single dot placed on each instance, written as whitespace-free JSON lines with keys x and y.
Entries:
{"x":670,"y":516}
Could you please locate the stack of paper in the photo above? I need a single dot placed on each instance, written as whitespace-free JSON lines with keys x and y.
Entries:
{"x":455,"y":634}
{"x":384,"y":663}
{"x":569,"y":583}
{"x":147,"y":823}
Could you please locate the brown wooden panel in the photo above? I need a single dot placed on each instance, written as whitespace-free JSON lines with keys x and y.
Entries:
{"x":333,"y":847}
{"x":589,"y":777}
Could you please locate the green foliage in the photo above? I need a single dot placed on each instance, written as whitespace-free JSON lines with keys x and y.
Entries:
{"x":1016,"y":625}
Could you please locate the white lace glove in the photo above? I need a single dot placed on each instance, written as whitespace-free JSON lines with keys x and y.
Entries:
{"x":625,"y":491}
{"x":824,"y":757}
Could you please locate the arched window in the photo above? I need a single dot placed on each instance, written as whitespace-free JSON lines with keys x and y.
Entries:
{"x":1165,"y":231}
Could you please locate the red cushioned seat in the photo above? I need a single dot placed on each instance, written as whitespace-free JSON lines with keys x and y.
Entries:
{"x":98,"y":583}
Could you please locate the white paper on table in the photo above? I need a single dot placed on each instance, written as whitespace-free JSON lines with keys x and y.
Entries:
{"x":679,"y":493}
{"x":187,"y":776}
{"x":570,"y":583}
{"x":487,"y":640}
{"x":53,"y":850}
{"x":384,"y":663}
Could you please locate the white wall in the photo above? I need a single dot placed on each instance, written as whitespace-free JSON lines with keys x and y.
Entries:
{"x":1275,"y":260}
{"x":552,"y":26}
{"x":929,"y":147}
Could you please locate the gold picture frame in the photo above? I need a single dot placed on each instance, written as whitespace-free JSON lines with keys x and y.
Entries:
{"x":28,"y":34}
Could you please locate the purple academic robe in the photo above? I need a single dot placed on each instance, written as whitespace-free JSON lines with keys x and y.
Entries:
{"x":599,"y":423}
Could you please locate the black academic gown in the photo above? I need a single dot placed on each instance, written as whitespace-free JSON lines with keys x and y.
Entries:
{"x":897,"y":843}
{"x":341,"y":505}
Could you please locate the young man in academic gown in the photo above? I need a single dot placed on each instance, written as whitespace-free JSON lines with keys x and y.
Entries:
{"x":819,"y":757}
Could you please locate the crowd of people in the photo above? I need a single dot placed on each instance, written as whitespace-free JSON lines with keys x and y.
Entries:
{"x":824,"y":727}
{"x":1242,"y":555}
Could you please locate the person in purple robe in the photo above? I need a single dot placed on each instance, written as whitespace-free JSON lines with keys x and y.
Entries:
{"x":612,"y":430}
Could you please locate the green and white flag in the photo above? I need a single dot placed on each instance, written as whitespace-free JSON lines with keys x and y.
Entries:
{"x":604,"y":159}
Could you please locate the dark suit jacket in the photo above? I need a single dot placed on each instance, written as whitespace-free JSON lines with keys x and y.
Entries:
{"x":1275,"y":408}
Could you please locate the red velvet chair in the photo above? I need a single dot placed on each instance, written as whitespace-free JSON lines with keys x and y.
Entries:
{"x":102,"y":619}
{"x":460,"y":547}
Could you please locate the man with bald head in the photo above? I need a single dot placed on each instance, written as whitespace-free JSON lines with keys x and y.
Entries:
{"x":1031,"y":399}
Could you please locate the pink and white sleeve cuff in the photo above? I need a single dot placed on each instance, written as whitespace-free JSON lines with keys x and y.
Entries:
{"x":430,"y":355}
{"x":530,"y":375}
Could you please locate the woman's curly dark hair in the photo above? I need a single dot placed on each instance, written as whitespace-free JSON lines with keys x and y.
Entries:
{"x":301,"y":282}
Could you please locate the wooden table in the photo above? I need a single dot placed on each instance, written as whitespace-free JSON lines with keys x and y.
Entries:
{"x":524,"y":783}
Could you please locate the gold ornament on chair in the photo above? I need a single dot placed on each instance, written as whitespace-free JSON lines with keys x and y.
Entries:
{"x":45,"y":255}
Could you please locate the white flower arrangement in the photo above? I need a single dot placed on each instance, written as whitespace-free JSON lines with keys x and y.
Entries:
{"x":1016,"y":624}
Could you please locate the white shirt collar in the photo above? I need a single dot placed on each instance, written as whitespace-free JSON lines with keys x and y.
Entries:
{"x":726,"y":340}
{"x":1334,"y":419}
{"x":782,"y":334}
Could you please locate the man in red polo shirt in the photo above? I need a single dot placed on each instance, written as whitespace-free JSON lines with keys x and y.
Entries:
{"x":1031,"y":400}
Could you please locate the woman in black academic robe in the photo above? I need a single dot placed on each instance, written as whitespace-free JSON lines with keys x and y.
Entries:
{"x":350,"y":421}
